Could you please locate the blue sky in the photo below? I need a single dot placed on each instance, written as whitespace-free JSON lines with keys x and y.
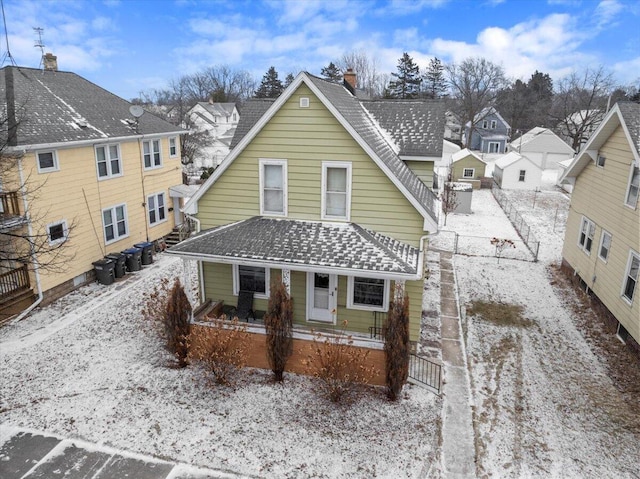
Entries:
{"x":127,"y":46}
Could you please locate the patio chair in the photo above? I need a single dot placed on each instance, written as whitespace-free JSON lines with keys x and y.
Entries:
{"x":244,"y":310}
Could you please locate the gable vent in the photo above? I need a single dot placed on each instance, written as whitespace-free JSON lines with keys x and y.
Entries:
{"x":304,"y":102}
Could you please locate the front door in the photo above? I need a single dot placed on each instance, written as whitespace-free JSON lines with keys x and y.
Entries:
{"x":322,"y":291}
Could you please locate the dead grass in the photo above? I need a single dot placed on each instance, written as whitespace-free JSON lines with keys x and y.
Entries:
{"x":499,"y":314}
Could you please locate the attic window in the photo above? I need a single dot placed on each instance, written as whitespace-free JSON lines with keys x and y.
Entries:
{"x":600,"y":161}
{"x":304,"y":102}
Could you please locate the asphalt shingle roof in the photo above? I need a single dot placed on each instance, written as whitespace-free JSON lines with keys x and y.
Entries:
{"x":304,"y":243}
{"x":57,"y":106}
{"x":630,"y":111}
{"x":250,"y":112}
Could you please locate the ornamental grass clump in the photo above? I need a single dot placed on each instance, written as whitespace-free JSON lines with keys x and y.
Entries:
{"x":278,"y":323}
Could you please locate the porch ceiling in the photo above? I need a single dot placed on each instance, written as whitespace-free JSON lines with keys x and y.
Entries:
{"x":303,"y":245}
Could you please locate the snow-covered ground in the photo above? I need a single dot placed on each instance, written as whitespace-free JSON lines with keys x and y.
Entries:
{"x":88,"y":367}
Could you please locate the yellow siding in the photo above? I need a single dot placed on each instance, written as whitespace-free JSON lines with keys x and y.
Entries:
{"x":599,"y":194}
{"x":75,"y":194}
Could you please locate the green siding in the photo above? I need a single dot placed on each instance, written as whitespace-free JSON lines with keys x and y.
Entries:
{"x":423,"y":170}
{"x":458,"y":167}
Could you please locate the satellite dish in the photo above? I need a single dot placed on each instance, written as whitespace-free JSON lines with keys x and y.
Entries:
{"x":136,"y":110}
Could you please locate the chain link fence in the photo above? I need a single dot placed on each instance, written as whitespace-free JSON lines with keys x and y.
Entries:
{"x":523,"y":229}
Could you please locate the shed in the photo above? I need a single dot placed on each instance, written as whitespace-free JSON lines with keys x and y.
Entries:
{"x":467,"y":166}
{"x":517,"y":172}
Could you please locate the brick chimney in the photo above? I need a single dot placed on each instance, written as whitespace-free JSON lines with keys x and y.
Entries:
{"x":349,"y":78}
{"x":50,"y":62}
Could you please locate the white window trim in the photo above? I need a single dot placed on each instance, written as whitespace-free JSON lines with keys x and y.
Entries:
{"x":56,"y":165}
{"x":164,"y":201}
{"x":485,"y":124}
{"x":352,"y":305}
{"x":602,"y":235}
{"x":604,"y":160}
{"x":632,"y":254}
{"x":175,"y":140}
{"x":65,"y":230}
{"x":115,"y":229}
{"x":153,"y":166}
{"x":494,"y":124}
{"x":107,"y":153}
{"x":267,"y":282}
{"x":583,"y":247}
{"x":323,"y":199}
{"x":473,"y":172}
{"x":304,"y":102}
{"x":268,"y":161}
{"x":626,"y":196}
{"x":522,"y":178}
{"x":489,"y":143}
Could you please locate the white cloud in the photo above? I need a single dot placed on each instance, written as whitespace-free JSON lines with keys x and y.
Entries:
{"x":628,"y":71}
{"x":607,"y":11}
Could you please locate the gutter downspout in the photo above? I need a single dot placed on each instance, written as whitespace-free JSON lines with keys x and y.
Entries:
{"x":36,"y":265}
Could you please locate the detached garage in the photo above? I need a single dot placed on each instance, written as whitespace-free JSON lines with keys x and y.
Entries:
{"x":516,"y":172}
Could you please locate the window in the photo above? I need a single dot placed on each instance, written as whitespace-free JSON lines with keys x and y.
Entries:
{"x":47,"y":161}
{"x":587,"y":231}
{"x":304,"y":102}
{"x":115,"y":223}
{"x":235,"y":117}
{"x":336,"y":190}
{"x":522,"y":175}
{"x":368,"y":293}
{"x":108,"y":161}
{"x":157,"y":209}
{"x":485,"y":123}
{"x":494,"y":124}
{"x":468,"y":172}
{"x":631,"y":276}
{"x":151,"y":153}
{"x":273,"y":187}
{"x":57,"y":232}
{"x":634,"y":185}
{"x":251,"y":278}
{"x":494,"y":147}
{"x":600,"y":161}
{"x":173,"y":147}
{"x":605,"y":245}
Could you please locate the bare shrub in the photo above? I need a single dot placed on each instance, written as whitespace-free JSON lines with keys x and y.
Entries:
{"x":396,"y":345}
{"x":155,"y":305}
{"x":176,"y":322}
{"x":501,"y":244}
{"x":279,"y":324}
{"x":341,"y":368}
{"x":222,"y":346}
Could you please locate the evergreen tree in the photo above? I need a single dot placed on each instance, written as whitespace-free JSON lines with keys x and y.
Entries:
{"x":331,"y":72}
{"x":176,"y":322}
{"x":407,"y":80}
{"x":271,"y":86}
{"x":278,"y":323}
{"x":435,"y":84}
{"x":288,"y":80}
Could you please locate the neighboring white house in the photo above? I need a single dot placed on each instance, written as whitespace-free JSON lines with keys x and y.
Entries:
{"x":220,"y":120}
{"x":516,"y":172}
{"x":543,"y":147}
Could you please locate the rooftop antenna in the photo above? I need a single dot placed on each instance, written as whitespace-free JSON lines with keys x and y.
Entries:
{"x":39,"y":43}
{"x":6,"y":37}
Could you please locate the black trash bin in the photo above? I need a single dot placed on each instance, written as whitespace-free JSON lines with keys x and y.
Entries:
{"x":104,"y":271}
{"x":133,"y":260}
{"x":147,"y":252}
{"x":119,"y":260}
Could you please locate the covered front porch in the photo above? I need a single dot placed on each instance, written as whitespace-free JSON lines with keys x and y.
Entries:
{"x":334,"y":272}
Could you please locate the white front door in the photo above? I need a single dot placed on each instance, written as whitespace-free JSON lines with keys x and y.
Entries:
{"x":322,"y":293}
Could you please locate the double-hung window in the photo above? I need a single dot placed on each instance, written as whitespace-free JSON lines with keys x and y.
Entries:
{"x":634,"y":186}
{"x":251,"y":278}
{"x":157,"y":209}
{"x":494,"y":124}
{"x":587,"y":231}
{"x":336,"y":190}
{"x":57,"y":232}
{"x":605,"y":246}
{"x":114,"y":220}
{"x":522,"y":175}
{"x":173,"y":147}
{"x":47,"y":161}
{"x":468,"y":172}
{"x":273,"y":187}
{"x":151,"y":154}
{"x":368,"y":293}
{"x":108,"y":161}
{"x":631,"y":276}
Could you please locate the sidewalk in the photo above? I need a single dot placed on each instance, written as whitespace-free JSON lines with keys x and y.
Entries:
{"x":33,"y":455}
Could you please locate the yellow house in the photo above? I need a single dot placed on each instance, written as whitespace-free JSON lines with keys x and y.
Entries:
{"x":602,"y":240}
{"x":84,"y":174}
{"x":314,"y":192}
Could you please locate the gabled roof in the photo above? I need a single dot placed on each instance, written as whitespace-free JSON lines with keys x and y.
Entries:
{"x":307,"y":245}
{"x":55,"y":107}
{"x":485,"y":113}
{"x":217,"y":109}
{"x":536,"y":133}
{"x":250,"y":112}
{"x":511,"y":158}
{"x":359,"y":122}
{"x":459,"y":155}
{"x":625,"y":114}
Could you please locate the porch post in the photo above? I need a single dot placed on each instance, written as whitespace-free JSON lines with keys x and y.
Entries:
{"x":286,"y":280}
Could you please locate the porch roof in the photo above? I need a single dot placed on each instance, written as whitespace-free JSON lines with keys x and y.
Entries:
{"x":304,"y":245}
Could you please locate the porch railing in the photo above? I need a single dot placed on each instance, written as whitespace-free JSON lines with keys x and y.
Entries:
{"x":9,"y":205}
{"x":425,"y":372}
{"x":13,"y":281}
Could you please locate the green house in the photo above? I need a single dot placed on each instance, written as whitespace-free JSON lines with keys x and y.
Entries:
{"x":314,"y":193}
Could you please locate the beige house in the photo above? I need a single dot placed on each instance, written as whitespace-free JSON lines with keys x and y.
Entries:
{"x":602,"y":240}
{"x":315,"y":192}
{"x":543,"y":147}
{"x":468,"y":167}
{"x":83,"y":175}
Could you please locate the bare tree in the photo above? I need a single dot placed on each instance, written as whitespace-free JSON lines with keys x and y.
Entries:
{"x":366,"y":68}
{"x":193,"y":144}
{"x":474,"y":83}
{"x":448,"y":197}
{"x":579,"y":104}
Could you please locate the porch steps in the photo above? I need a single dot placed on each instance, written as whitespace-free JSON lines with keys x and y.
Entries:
{"x":15,"y":303}
{"x":172,"y":238}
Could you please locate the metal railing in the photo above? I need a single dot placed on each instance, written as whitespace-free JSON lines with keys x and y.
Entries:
{"x":9,"y":205}
{"x":523,"y":229}
{"x":14,"y":280}
{"x":425,"y":372}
